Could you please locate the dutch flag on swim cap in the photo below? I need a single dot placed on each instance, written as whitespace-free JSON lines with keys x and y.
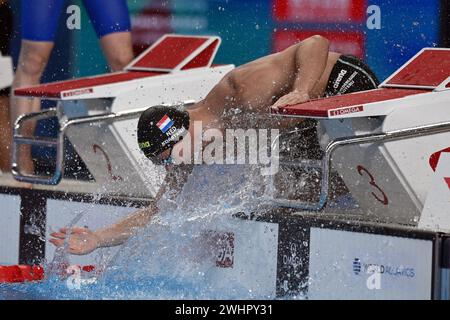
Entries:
{"x":165,"y":124}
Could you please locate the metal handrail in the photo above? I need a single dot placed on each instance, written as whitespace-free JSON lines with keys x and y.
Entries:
{"x":360,"y":139}
{"x":18,"y":139}
{"x":58,"y":142}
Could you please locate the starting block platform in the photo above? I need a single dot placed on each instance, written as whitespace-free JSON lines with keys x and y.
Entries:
{"x":384,"y":142}
{"x":99,"y":114}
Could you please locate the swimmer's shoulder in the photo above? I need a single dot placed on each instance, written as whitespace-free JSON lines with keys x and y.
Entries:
{"x":333,"y":57}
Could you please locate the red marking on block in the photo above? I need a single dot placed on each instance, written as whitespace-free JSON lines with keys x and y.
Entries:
{"x":434,"y":158}
{"x":428,"y":69}
{"x":319,"y":108}
{"x":377,"y":192}
{"x":447,"y":180}
{"x":55,"y":89}
{"x":169,"y":53}
{"x":77,"y":92}
{"x":204,"y":58}
{"x":340,"y":112}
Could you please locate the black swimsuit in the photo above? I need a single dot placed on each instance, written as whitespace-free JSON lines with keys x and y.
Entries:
{"x":350,"y":74}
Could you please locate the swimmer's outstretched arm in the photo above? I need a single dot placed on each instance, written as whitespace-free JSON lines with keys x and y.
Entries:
{"x":312,"y":58}
{"x":83,"y":241}
{"x":118,"y":233}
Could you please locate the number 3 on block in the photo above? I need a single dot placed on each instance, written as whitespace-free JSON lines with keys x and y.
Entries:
{"x":378,"y":193}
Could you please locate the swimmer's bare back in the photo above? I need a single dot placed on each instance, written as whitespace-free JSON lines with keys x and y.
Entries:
{"x":301,"y":70}
{"x":258,"y":84}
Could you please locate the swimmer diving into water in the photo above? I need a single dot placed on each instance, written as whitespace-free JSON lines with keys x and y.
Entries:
{"x":304,"y":71}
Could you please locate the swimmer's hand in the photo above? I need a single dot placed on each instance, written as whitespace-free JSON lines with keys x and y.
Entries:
{"x":81,"y":240}
{"x":290,"y":99}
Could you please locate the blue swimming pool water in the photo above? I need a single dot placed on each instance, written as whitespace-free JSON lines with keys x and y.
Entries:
{"x":131,"y":289}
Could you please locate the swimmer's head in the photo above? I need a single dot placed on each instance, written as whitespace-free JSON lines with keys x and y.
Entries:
{"x":159,"y":129}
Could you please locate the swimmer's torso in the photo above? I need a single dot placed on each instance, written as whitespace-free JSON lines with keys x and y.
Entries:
{"x":252,"y":88}
{"x":258,"y":84}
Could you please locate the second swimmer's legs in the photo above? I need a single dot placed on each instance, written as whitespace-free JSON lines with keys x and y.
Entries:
{"x":111,"y":21}
{"x":118,"y":49}
{"x":33,"y":58}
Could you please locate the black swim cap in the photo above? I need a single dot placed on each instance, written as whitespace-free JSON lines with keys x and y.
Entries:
{"x":160,"y":128}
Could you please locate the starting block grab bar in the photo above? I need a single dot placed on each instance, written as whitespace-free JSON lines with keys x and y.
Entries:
{"x":325,"y":163}
{"x":58,"y":142}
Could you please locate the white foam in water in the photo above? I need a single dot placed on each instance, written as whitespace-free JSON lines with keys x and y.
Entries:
{"x":175,"y":245}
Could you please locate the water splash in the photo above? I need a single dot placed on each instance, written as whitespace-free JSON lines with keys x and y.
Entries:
{"x":174,"y":257}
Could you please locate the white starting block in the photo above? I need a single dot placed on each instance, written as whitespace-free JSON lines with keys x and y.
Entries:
{"x":381,"y":141}
{"x":6,"y":72}
{"x":436,"y":212}
{"x":99,"y":114}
